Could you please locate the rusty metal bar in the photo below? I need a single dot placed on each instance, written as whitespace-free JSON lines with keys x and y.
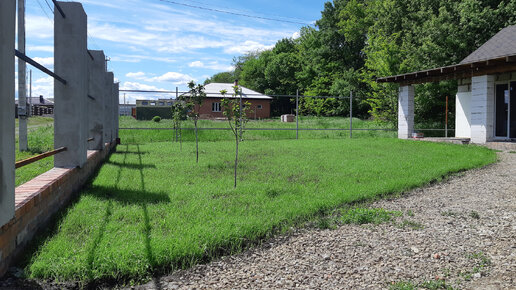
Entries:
{"x":39,"y":157}
{"x":91,"y":139}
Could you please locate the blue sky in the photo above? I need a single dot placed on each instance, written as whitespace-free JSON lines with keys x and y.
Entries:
{"x":154,"y":44}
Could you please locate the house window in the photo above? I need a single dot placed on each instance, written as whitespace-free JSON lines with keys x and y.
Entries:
{"x":161,"y":103}
{"x":215,"y":107}
{"x":145,"y":103}
{"x":259,"y":107}
{"x":153,"y":103}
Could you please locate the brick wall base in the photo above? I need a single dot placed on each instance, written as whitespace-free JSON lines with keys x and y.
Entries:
{"x":39,"y":199}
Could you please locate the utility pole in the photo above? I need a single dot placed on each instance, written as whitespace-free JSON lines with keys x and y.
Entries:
{"x":22,"y":80}
{"x":124,"y":98}
{"x":30,"y":94}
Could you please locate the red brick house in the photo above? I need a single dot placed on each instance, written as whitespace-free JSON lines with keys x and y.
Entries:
{"x":211,"y":107}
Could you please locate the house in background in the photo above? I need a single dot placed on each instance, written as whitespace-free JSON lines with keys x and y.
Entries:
{"x":211,"y":108}
{"x":486,"y":95}
{"x":39,"y":106}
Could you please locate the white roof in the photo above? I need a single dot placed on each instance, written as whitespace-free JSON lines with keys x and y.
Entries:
{"x":213,"y":91}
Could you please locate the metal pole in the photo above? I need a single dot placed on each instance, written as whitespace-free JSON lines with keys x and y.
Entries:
{"x":29,"y":113}
{"x":297,"y":114}
{"x":351,"y":114}
{"x":241,"y":124}
{"x":446,"y":120}
{"x":177,"y":96}
{"x":22,"y":80}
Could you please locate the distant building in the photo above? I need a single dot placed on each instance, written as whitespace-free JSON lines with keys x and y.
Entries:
{"x":39,"y":106}
{"x":127,"y":110}
{"x":211,"y":108}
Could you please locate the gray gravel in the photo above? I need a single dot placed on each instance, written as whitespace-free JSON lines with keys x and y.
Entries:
{"x":461,"y":231}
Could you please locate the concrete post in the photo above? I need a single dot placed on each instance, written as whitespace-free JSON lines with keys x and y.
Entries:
{"x":406,"y":112}
{"x":7,"y":82}
{"x":482,"y":108}
{"x":71,"y":63}
{"x":116,"y":103}
{"x":108,"y":108}
{"x":97,"y":72}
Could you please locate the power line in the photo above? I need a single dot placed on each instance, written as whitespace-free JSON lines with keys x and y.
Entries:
{"x":233,"y":13}
{"x":41,"y":6}
{"x":49,"y":6}
{"x":246,"y":11}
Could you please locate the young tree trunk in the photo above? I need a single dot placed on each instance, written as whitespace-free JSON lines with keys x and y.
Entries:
{"x":196,"y":141}
{"x":236,"y":159}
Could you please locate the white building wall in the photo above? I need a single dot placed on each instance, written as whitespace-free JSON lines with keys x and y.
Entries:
{"x":482,"y":108}
{"x":406,"y":112}
{"x":463,"y":112}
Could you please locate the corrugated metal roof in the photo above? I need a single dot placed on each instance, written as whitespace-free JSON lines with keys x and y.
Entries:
{"x":502,"y":44}
{"x":213,"y":91}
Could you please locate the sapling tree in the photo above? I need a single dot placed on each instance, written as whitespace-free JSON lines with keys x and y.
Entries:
{"x":194,"y":99}
{"x":178,"y":115}
{"x":236,"y":112}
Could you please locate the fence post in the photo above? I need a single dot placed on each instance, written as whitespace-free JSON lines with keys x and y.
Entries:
{"x":96,"y":105}
{"x":7,"y":81}
{"x":177,"y":97}
{"x":70,"y":62}
{"x":116,"y":109}
{"x":297,"y":114}
{"x":108,"y":104}
{"x":351,"y":114}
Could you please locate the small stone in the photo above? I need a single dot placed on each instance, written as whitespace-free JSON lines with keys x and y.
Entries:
{"x":437,"y":256}
{"x":477,"y":275}
{"x":415,"y":250}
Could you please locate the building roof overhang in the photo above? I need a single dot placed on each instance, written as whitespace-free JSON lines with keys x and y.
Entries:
{"x":458,"y":71}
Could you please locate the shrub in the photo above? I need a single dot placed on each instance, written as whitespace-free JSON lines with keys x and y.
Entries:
{"x":156,"y":119}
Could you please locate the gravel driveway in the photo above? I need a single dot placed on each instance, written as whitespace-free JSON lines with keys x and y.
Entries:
{"x":461,"y":232}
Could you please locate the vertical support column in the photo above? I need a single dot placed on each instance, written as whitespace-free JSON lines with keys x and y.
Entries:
{"x":22,"y":81}
{"x":7,"y":82}
{"x":71,"y":63}
{"x":482,"y":108}
{"x":97,"y":72}
{"x":116,"y":109}
{"x":108,"y":107}
{"x":406,"y":112}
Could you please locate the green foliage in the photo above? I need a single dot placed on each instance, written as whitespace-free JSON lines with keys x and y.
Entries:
{"x":356,"y":41}
{"x":147,"y":113}
{"x":151,"y":210}
{"x":223,"y":77}
{"x":156,"y":119}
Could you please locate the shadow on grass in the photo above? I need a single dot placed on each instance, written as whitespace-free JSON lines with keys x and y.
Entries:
{"x":138,"y":197}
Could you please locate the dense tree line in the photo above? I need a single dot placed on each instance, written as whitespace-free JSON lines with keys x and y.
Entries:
{"x":356,"y":41}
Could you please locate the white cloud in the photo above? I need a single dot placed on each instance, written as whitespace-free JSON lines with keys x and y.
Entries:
{"x":211,"y":65}
{"x":136,"y":75}
{"x":196,"y":64}
{"x":296,"y":35}
{"x":246,"y":47}
{"x":132,"y":97}
{"x":47,"y":62}
{"x":42,"y":48}
{"x":173,"y":77}
{"x":44,"y":87}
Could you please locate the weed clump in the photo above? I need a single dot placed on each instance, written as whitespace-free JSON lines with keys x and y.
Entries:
{"x":362,"y":216}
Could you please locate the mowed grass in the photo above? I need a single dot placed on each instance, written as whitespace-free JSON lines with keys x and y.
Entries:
{"x":40,"y":140}
{"x":152,"y":209}
{"x":144,"y":136}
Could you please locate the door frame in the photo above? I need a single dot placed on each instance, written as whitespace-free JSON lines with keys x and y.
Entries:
{"x":503,"y":138}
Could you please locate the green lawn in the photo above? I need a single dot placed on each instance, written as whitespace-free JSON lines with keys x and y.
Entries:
{"x":152,"y":208}
{"x":144,"y":136}
{"x":40,"y":139}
